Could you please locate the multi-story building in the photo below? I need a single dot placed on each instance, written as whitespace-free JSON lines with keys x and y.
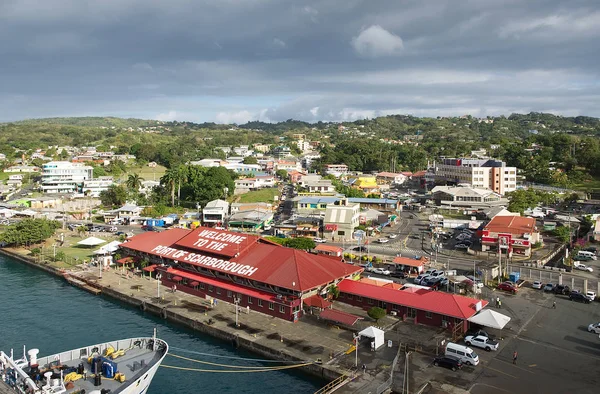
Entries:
{"x":309,"y":158}
{"x":336,"y":169}
{"x":281,"y":151}
{"x":341,"y":218}
{"x":94,"y":187}
{"x":479,"y":173}
{"x":215,"y":213}
{"x":64,"y":177}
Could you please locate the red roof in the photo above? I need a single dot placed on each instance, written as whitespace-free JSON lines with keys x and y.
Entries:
{"x":149,"y":268}
{"x":511,"y":224}
{"x":426,"y":300}
{"x":220,"y":242}
{"x":419,"y":174}
{"x":410,"y":262}
{"x":317,"y":301}
{"x":339,"y":317}
{"x":328,"y":248}
{"x":261,"y":260}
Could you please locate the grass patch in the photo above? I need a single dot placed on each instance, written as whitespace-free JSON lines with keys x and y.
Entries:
{"x":587,"y":185}
{"x":148,"y":173}
{"x":263,"y":195}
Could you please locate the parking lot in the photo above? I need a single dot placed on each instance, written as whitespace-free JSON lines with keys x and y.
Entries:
{"x":556,"y":353}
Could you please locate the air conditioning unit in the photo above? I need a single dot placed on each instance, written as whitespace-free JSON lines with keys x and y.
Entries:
{"x":394,"y":313}
{"x":445,"y":324}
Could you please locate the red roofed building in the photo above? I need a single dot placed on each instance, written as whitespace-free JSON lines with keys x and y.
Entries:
{"x":329,"y":250}
{"x":225,"y":265}
{"x":434,"y":308}
{"x":515,"y":234}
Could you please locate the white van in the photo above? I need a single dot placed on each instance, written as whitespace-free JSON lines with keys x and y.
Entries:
{"x":586,"y":255}
{"x":465,"y":354}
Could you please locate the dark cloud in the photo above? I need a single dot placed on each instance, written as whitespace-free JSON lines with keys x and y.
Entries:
{"x":229,"y":60}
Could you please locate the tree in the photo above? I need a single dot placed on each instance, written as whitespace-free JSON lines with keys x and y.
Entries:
{"x":170,"y":179}
{"x":377,"y":313}
{"x":333,"y":292}
{"x":115,"y":195}
{"x":281,"y":174}
{"x":28,"y":231}
{"x":134,"y":182}
{"x":300,"y":243}
{"x":563,"y":233}
{"x":81,"y":230}
{"x":250,"y":160}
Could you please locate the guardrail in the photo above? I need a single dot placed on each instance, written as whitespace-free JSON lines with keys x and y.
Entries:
{"x":388,"y":383}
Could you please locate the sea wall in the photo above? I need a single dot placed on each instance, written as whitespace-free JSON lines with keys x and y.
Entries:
{"x":322,"y":371}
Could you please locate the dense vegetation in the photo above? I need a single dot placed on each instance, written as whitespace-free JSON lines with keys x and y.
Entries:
{"x":550,"y":149}
{"x":28,"y":231}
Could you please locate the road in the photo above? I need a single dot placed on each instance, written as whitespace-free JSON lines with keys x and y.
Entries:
{"x":556,"y":353}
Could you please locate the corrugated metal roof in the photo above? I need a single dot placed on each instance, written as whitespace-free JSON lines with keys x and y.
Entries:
{"x":427,"y":300}
{"x":339,"y":317}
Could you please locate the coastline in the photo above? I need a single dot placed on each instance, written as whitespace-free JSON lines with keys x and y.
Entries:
{"x":192,"y":318}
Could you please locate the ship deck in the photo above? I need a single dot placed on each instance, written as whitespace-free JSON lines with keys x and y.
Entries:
{"x":136,"y":364}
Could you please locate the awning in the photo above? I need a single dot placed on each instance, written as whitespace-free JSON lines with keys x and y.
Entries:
{"x":194,"y":284}
{"x":91,"y":241}
{"x":149,"y":268}
{"x":125,"y":260}
{"x":177,"y":279}
{"x":317,"y":302}
{"x":490,"y":318}
{"x":339,"y":317}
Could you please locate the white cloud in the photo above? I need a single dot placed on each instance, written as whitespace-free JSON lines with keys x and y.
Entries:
{"x":375,"y":41}
{"x":171,"y":115}
{"x":279,"y":43}
{"x":142,"y":67}
{"x":238,"y":117}
{"x":570,"y":25}
{"x":314,"y":111}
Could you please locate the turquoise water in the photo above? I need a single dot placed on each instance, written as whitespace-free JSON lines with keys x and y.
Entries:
{"x":42,"y":311}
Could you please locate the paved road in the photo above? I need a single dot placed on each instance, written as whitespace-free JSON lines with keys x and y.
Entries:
{"x":556,"y":353}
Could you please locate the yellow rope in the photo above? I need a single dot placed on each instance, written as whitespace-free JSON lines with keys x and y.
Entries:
{"x":237,"y":371}
{"x":218,"y":365}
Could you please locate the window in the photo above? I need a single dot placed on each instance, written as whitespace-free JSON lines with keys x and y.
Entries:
{"x":249,"y":300}
{"x":411,"y":312}
{"x":228,"y":293}
{"x":210,"y":288}
{"x":201,"y":286}
{"x":428,"y":315}
{"x":370,"y":301}
{"x":349,"y":296}
{"x":281,"y":309}
{"x":218,"y":290}
{"x":271,"y":307}
{"x":260,"y":303}
{"x":359,"y":298}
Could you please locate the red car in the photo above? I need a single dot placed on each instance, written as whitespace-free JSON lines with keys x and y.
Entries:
{"x":507,"y":287}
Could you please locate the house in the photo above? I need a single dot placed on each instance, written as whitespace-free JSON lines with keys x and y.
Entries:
{"x":295,"y":176}
{"x":387,"y":178}
{"x":366,"y":184}
{"x":287,"y":165}
{"x":341,"y":218}
{"x":215,"y":213}
{"x":22,"y":169}
{"x":321,"y":187}
{"x":336,"y":170}
{"x":467,"y":197}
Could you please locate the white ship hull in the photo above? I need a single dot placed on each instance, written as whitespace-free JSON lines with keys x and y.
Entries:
{"x":97,"y":367}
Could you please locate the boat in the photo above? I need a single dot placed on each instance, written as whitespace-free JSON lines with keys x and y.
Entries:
{"x":124,"y":366}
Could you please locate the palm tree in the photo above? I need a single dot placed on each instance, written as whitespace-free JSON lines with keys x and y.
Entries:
{"x":182,"y":175}
{"x":170,"y":179}
{"x":134,"y":181}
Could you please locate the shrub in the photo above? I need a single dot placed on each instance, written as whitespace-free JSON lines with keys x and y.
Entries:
{"x":376,"y":313}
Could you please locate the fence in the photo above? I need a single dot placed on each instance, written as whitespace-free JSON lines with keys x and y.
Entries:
{"x":388,"y":383}
{"x":555,"y":275}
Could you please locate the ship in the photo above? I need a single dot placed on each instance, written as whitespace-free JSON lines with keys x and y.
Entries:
{"x":124,"y":366}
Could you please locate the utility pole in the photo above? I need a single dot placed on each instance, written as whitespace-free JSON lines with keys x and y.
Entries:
{"x":158,"y":277}
{"x":236,"y":301}
{"x":356,"y":339}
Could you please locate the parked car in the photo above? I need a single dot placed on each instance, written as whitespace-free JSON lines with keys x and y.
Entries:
{"x":319,"y":240}
{"x":398,"y":274}
{"x":393,"y":236}
{"x":592,"y":249}
{"x":549,"y":287}
{"x":447,"y":362}
{"x":536,"y":285}
{"x":419,"y":279}
{"x":562,"y":289}
{"x":461,"y":246}
{"x":5,"y":222}
{"x":120,"y":233}
{"x":483,"y":333}
{"x":145,"y":227}
{"x":383,"y":240}
{"x":381,"y":271}
{"x":482,"y":342}
{"x":584,"y":267}
{"x":577,"y":296}
{"x":591,"y":295}
{"x":594,"y":327}
{"x":113,"y":229}
{"x":360,"y":248}
{"x":507,"y":287}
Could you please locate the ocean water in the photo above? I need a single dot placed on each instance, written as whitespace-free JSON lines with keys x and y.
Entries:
{"x":42,"y":311}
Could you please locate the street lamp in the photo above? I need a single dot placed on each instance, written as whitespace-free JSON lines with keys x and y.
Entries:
{"x":356,"y":338}
{"x":158,"y":278}
{"x":236,"y":301}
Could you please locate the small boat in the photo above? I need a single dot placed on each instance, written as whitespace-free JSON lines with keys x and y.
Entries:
{"x":125,"y":366}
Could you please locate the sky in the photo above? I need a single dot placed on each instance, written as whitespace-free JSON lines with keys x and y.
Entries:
{"x":233,"y":61}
